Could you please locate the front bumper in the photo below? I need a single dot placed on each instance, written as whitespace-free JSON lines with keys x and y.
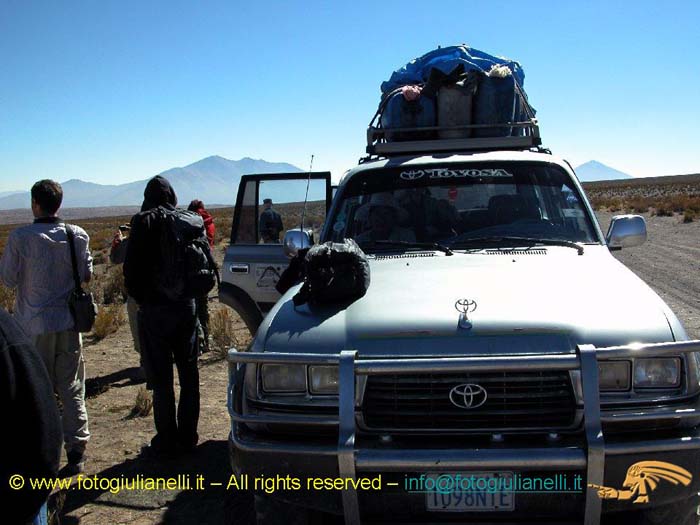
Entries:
{"x":596,"y":460}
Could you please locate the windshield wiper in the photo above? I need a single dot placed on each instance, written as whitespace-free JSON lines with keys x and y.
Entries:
{"x":424,"y":245}
{"x":526,"y":240}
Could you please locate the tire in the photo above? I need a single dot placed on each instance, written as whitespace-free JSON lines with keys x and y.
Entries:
{"x":683,"y":512}
{"x":269,"y":511}
{"x":238,"y":506}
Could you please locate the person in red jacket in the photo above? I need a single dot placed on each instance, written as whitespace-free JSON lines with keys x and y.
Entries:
{"x":197,"y":206}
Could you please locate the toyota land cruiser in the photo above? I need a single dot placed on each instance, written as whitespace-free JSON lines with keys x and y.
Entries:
{"x":499,"y":338}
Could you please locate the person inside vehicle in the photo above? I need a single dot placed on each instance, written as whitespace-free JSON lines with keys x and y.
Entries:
{"x":383,"y":215}
{"x":270,"y":223}
{"x":509,"y":209}
{"x":430,"y":219}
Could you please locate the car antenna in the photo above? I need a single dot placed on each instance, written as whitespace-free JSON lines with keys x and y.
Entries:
{"x":306,"y":197}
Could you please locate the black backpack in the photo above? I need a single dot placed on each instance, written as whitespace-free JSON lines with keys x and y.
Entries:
{"x":334,"y":273}
{"x":187,"y":269}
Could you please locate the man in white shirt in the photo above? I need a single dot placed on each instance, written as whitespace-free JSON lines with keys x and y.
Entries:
{"x":37,"y":263}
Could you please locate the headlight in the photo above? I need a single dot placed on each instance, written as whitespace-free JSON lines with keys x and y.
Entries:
{"x":323,"y":379}
{"x":284,"y":378}
{"x":614,"y":375}
{"x":657,"y":372}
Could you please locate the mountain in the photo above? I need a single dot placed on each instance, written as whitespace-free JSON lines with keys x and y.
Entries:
{"x":6,"y":193}
{"x":213,"y":180}
{"x":594,"y":170}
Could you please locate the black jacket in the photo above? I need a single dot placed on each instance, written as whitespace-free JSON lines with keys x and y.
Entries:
{"x":270,"y":224}
{"x":30,"y":445}
{"x":143,"y":258}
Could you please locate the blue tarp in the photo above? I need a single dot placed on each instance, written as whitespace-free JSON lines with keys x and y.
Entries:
{"x":446,"y":59}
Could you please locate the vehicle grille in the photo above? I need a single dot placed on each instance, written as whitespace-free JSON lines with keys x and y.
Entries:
{"x":515,"y":401}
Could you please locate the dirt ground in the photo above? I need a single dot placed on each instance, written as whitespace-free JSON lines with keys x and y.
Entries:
{"x":669,"y":262}
{"x":117,"y":437}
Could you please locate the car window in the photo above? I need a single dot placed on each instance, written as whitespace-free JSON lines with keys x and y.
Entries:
{"x":451,"y":204}
{"x":271,"y":207}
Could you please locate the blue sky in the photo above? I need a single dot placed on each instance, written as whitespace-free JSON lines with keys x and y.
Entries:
{"x":116,"y":91}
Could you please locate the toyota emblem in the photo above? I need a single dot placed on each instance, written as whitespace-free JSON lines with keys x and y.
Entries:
{"x":412,"y":175}
{"x":465,"y":307}
{"x":468,"y":396}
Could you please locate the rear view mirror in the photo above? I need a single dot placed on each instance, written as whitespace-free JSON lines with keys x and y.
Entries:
{"x":626,"y":231}
{"x":295,"y":240}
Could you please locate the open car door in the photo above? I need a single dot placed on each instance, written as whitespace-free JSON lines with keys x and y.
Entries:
{"x":255,"y":259}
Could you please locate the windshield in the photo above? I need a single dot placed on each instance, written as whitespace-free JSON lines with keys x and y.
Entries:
{"x":451,"y":204}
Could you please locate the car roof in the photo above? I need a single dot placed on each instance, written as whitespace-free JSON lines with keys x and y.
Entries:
{"x":453,"y":158}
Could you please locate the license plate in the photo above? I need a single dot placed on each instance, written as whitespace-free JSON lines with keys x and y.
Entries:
{"x":465,"y":498}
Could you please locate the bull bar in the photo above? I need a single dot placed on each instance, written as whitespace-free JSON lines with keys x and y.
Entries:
{"x":352,"y":459}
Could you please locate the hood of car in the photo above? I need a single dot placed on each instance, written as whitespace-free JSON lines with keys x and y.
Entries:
{"x":528,"y":301}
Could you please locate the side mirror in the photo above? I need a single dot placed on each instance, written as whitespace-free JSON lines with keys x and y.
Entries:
{"x":626,"y":231}
{"x":295,"y":240}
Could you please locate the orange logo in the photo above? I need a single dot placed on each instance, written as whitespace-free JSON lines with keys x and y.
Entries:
{"x":643,"y":478}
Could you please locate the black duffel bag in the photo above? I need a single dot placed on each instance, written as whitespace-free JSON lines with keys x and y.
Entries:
{"x":333,"y":273}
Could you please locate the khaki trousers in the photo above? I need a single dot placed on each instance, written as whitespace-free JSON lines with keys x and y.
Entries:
{"x":132,"y":309}
{"x":63,"y":356}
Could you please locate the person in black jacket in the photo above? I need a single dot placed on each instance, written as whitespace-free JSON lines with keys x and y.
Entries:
{"x":31,"y":448}
{"x":167,"y":328}
{"x":270,"y":224}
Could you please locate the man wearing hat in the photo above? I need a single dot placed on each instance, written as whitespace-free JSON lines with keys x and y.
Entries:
{"x":384,"y":215}
{"x":270,"y":223}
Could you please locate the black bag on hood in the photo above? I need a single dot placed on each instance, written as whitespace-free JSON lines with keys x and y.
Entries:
{"x":334,"y":273}
{"x":187,"y":267}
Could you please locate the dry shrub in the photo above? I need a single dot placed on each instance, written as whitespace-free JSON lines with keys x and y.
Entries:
{"x":600,"y":202}
{"x":95,"y":287}
{"x":639,"y":204}
{"x":221,"y":330}
{"x":101,"y":232}
{"x":693,"y":204}
{"x":113,"y":290}
{"x":100,"y":257}
{"x":143,"y":404}
{"x":680,"y":203}
{"x":223,"y":217}
{"x":638,"y":195}
{"x":688,"y":216}
{"x":7,"y":298}
{"x":109,"y":319}
{"x":663,"y":210}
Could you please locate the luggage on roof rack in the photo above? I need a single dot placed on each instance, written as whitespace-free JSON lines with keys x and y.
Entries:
{"x":446,"y":59}
{"x":453,"y":99}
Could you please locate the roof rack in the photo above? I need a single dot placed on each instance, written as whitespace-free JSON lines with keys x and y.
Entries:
{"x":520,"y":136}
